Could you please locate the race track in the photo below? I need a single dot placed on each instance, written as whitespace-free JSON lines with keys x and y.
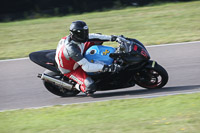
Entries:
{"x":20,"y":87}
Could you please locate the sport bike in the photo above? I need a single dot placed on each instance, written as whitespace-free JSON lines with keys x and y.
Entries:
{"x":131,"y":55}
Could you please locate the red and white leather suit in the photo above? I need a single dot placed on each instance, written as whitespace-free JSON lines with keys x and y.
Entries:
{"x":71,"y":62}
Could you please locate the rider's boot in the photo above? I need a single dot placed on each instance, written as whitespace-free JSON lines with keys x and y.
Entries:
{"x":89,"y":91}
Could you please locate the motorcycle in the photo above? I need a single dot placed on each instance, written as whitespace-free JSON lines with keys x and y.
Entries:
{"x":131,"y":55}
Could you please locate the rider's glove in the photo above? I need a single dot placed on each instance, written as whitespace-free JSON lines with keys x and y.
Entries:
{"x":113,"y":38}
{"x":111,"y":68}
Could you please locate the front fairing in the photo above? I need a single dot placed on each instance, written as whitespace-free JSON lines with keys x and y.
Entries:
{"x":138,"y":48}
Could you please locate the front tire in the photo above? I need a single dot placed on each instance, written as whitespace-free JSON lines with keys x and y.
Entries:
{"x":152,"y":78}
{"x":59,"y":91}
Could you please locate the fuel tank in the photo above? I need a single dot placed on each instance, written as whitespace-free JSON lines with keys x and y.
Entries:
{"x":100,"y":54}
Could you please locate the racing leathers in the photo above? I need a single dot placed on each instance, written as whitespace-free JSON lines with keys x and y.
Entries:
{"x":71,"y":62}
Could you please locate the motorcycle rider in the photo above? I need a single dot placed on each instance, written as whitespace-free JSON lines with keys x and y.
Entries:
{"x":70,"y":59}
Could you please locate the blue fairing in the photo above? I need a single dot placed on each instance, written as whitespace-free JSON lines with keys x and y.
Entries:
{"x":100,"y":54}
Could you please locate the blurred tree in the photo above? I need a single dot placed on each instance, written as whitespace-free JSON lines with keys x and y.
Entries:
{"x":20,"y":9}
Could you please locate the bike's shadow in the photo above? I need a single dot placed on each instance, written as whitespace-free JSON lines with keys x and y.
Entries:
{"x":145,"y":93}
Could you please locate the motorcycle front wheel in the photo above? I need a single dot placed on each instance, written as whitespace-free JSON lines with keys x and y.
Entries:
{"x":152,"y":78}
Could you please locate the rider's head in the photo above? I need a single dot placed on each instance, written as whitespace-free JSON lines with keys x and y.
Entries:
{"x":79,"y":31}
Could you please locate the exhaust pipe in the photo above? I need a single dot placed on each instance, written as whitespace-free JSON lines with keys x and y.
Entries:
{"x":55,"y":81}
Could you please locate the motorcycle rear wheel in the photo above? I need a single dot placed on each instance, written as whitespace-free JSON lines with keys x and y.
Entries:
{"x":58,"y":90}
{"x":152,"y":78}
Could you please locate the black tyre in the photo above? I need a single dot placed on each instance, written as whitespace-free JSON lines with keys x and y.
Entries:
{"x":59,"y":91}
{"x":152,"y":78}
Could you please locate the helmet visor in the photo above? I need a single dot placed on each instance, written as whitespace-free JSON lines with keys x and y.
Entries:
{"x":81,"y":35}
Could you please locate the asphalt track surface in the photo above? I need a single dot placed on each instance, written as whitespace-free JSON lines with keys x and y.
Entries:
{"x":20,"y":88}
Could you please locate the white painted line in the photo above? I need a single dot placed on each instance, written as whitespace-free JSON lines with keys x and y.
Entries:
{"x":160,"y":45}
{"x":14,"y":59}
{"x":174,"y":44}
{"x":150,"y":96}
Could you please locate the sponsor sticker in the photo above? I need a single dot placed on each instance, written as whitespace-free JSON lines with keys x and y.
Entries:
{"x":76,"y":79}
{"x":106,"y":52}
{"x":85,"y":27}
{"x":153,"y":64}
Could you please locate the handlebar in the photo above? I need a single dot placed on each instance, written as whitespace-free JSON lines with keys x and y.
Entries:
{"x":121,"y":40}
{"x":124,"y":43}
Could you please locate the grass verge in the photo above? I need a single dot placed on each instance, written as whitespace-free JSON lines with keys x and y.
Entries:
{"x":180,"y":113}
{"x":166,"y":23}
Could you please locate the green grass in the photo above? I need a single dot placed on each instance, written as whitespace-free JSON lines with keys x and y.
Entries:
{"x":169,"y":114}
{"x":165,"y":23}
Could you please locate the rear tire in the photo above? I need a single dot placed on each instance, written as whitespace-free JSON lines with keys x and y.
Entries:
{"x":152,"y":78}
{"x":59,"y":91}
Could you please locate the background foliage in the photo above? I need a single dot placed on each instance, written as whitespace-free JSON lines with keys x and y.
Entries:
{"x":27,"y":9}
